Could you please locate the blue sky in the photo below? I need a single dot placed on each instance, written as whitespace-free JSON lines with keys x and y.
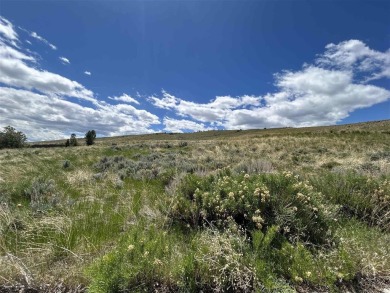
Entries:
{"x":128,"y":67}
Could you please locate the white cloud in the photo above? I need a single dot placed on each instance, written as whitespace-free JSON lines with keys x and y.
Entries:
{"x":319,"y":94}
{"x":7,"y":52}
{"x":41,"y":104}
{"x":64,"y":60}
{"x":354,"y":55}
{"x":215,"y":110}
{"x":7,"y":32}
{"x":87,"y":73}
{"x":43,"y":117}
{"x":179,"y":126}
{"x":15,"y":72}
{"x":309,"y":97}
{"x":168,"y":101}
{"x":43,"y":40}
{"x":125,"y":98}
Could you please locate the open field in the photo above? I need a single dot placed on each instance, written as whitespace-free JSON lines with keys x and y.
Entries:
{"x":273,"y":210}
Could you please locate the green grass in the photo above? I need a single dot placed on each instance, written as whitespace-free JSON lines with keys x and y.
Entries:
{"x":221,"y":211}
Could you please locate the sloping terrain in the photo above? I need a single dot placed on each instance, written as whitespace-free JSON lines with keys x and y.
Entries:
{"x":272,"y":210}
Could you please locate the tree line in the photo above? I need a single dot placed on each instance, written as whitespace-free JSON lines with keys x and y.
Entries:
{"x":11,"y":138}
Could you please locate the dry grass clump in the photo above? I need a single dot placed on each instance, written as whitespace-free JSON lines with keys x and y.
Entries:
{"x":221,"y":258}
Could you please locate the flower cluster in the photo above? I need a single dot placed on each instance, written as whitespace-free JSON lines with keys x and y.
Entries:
{"x":254,"y":202}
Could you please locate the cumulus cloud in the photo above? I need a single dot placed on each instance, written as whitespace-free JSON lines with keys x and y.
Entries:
{"x":321,"y":93}
{"x":183,"y":125}
{"x":213,"y":111}
{"x":44,"y":117}
{"x":41,"y":104}
{"x":87,"y":73}
{"x":64,"y":60}
{"x":354,"y":55}
{"x":43,"y":40}
{"x":124,"y":98}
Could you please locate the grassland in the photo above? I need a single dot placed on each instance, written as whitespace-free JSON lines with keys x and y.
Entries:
{"x":272,"y":210}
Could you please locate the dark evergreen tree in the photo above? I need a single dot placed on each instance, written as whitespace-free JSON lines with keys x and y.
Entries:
{"x":90,"y":137}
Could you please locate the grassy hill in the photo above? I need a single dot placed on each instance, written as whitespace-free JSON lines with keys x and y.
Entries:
{"x":272,"y":210}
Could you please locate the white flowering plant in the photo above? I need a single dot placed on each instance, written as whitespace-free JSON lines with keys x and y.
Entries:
{"x":255,"y":202}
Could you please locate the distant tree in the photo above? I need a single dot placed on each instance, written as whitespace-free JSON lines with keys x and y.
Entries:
{"x":90,"y":137}
{"x":10,"y":138}
{"x":72,"y":141}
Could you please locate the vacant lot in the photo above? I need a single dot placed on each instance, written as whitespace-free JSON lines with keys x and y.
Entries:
{"x":274,"y":210}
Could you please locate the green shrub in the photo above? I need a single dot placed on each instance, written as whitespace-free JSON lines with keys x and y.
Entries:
{"x":66,"y":164}
{"x":254,"y":202}
{"x":360,"y":196}
{"x":42,"y":194}
{"x":90,"y":137}
{"x":10,"y":138}
{"x":140,"y":262}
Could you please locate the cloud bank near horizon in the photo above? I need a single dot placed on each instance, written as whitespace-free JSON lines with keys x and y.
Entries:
{"x":46,"y":105}
{"x":322,"y":93}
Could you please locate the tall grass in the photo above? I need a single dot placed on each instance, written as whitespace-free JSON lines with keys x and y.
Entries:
{"x":248,"y":211}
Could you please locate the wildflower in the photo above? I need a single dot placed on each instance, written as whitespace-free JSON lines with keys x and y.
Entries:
{"x":157,"y":262}
{"x":146,"y":253}
{"x":130,"y":247}
{"x":231,"y":194}
{"x":294,"y":209}
{"x":246,"y":176}
{"x":308,"y":274}
{"x":298,"y":279}
{"x":257,"y":219}
{"x":19,"y":205}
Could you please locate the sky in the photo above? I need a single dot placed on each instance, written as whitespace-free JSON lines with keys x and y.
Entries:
{"x":132,"y":67}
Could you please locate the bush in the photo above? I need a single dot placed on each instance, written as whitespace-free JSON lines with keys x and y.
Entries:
{"x":43,"y":194}
{"x":220,"y":262}
{"x":139,"y":264}
{"x":255,"y":203}
{"x":365,"y":198}
{"x":10,"y":138}
{"x":90,"y":137}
